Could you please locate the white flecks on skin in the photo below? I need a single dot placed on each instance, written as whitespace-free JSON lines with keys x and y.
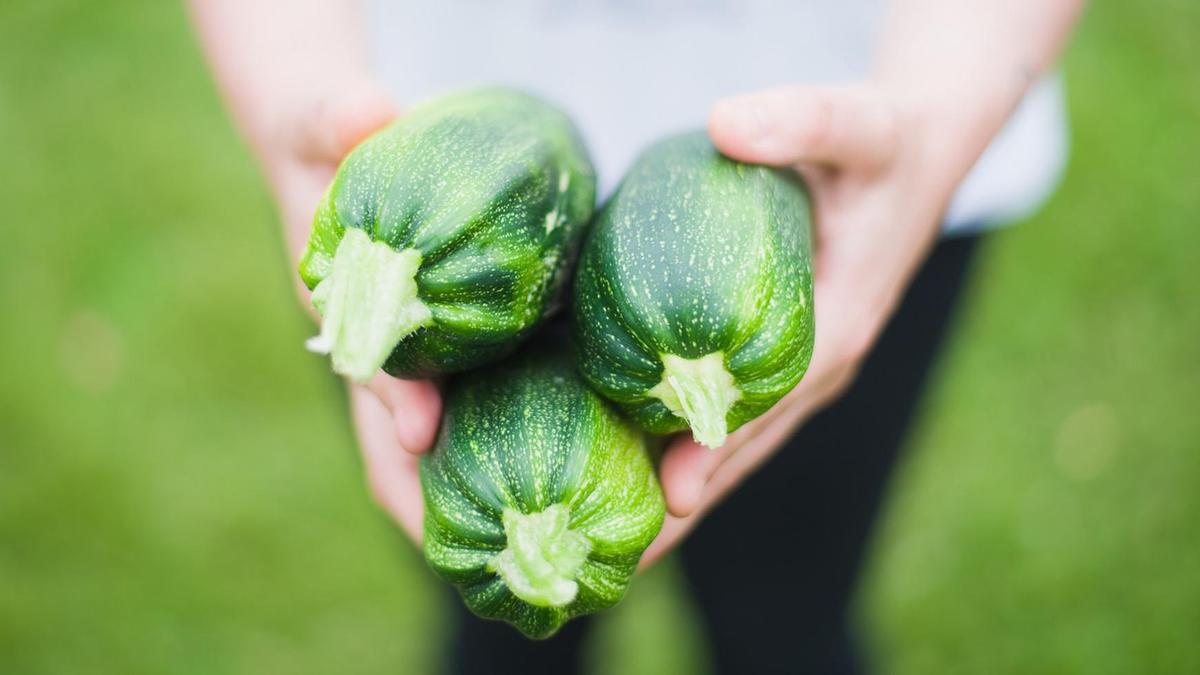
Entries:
{"x":697,"y":254}
{"x":533,"y":473}
{"x":413,"y":185}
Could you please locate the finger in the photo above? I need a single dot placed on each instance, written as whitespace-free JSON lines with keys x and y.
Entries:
{"x":673,"y":531}
{"x":687,"y":466}
{"x":847,"y":127}
{"x":342,"y":121}
{"x":769,"y":434}
{"x":692,"y":461}
{"x":688,"y":470}
{"x":767,"y":439}
{"x":762,"y":438}
{"x":684,"y":470}
{"x":392,"y":473}
{"x":415,"y":407}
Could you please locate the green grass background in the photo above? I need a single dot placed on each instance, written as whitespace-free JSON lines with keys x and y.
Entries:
{"x":180,"y":492}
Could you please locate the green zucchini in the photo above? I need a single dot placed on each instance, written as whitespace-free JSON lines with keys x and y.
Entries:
{"x":445,"y":237}
{"x":539,"y":497}
{"x":693,"y":300}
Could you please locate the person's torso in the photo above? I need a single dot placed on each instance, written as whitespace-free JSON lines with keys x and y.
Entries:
{"x":632,"y":71}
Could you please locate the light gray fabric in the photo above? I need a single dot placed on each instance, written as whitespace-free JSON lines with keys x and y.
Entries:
{"x":631,"y":71}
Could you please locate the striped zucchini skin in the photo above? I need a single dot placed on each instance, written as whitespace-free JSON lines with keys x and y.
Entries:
{"x":493,"y":188}
{"x":696,"y":254}
{"x":528,"y":435}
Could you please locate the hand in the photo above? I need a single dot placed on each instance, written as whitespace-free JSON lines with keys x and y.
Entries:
{"x":877,"y":208}
{"x":391,"y":463}
{"x":400,"y":419}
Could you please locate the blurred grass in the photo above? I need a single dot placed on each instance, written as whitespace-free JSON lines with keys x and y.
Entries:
{"x":1046,"y":521}
{"x":179,"y":489}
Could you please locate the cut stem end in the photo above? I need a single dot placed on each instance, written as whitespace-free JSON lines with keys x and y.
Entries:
{"x":701,"y":392}
{"x":368,"y":303}
{"x":543,"y":556}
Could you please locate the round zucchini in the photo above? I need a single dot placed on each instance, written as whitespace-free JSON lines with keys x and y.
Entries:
{"x":693,"y":301}
{"x":445,"y":237}
{"x":539,"y":497}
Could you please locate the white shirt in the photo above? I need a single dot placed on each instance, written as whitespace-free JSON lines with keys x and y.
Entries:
{"x":632,"y":71}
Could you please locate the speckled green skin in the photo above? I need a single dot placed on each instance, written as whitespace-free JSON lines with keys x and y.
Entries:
{"x":696,"y":254}
{"x":528,"y":434}
{"x":494,"y":189}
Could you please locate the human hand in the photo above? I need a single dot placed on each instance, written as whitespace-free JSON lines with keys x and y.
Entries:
{"x":878,"y":192}
{"x":395,"y":419}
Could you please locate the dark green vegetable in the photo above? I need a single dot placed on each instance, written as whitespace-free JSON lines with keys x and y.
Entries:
{"x":539,"y":497}
{"x":445,"y":237}
{"x":693,"y":302}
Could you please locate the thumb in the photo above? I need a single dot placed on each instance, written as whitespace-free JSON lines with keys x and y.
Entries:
{"x":846,"y":127}
{"x":416,"y":408}
{"x":343,"y":119}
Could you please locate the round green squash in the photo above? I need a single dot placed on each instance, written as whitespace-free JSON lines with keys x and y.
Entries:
{"x":539,"y":497}
{"x":445,"y":237}
{"x":693,"y":300}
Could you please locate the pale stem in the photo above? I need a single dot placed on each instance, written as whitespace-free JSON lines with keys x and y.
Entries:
{"x":701,"y":392}
{"x":543,"y":556}
{"x":368,"y":303}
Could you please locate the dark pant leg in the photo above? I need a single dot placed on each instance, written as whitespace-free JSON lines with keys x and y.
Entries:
{"x":773,"y":568}
{"x":482,"y":647}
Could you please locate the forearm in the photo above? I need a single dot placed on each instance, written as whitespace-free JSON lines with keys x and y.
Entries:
{"x":269,"y":56}
{"x":957,"y":69}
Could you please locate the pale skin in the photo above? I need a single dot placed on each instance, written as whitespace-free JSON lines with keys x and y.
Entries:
{"x":882,"y":158}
